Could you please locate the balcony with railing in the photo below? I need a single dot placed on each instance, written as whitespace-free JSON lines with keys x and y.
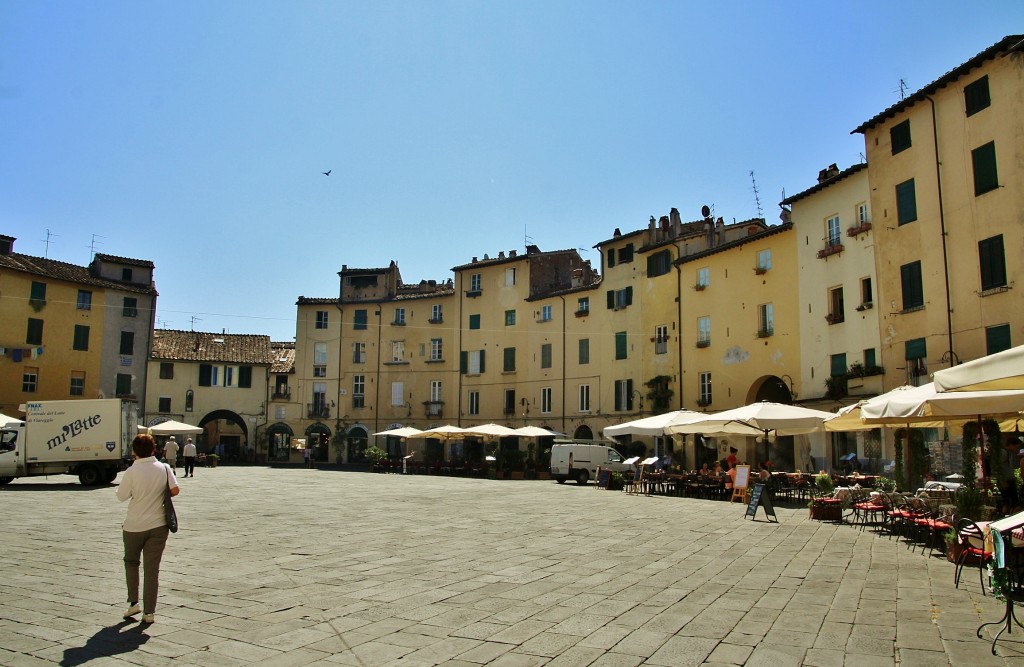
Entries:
{"x":835,"y":318}
{"x":765,"y":331}
{"x":434,"y":409}
{"x":832,"y":247}
{"x":704,"y":342}
{"x":318,"y":411}
{"x":862,"y":228}
{"x":281,"y":393}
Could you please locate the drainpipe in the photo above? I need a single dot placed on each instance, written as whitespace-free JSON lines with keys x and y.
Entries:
{"x":565,"y":353}
{"x":942,"y":227}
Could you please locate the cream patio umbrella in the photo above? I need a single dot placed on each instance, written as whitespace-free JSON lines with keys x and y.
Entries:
{"x":490,"y":431}
{"x":914,"y":405}
{"x":1002,"y":370}
{"x":171,"y":427}
{"x":537,"y":432}
{"x":5,"y":420}
{"x":654,"y":425}
{"x":403,"y":432}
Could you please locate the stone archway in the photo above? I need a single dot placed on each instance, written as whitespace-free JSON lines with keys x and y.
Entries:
{"x":770,"y":388}
{"x":780,"y":450}
{"x":279,"y":442}
{"x":356,"y":439}
{"x":318,"y":440}
{"x":226,"y":434}
{"x":583,"y":432}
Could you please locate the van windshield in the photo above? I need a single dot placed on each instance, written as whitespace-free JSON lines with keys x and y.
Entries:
{"x":614,"y":456}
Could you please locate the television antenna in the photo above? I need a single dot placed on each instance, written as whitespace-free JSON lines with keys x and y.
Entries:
{"x":92,"y":245}
{"x":903,"y":89}
{"x":49,"y":237}
{"x":757,"y":195}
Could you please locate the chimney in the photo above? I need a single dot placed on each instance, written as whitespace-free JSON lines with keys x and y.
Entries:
{"x":512,"y":253}
{"x":501,"y":254}
{"x":7,"y":244}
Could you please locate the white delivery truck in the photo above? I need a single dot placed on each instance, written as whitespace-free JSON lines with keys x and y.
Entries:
{"x":88,"y":438}
{"x":572,"y":459}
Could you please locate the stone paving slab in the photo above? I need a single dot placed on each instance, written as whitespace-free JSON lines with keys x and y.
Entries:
{"x":320,"y":568}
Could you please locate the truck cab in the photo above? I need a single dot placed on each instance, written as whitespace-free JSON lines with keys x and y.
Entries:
{"x":10,"y":437}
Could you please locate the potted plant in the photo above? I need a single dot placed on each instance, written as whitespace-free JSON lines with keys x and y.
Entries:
{"x":544,"y":464}
{"x":515,"y":463}
{"x":376,"y":456}
{"x":616,"y":482}
{"x":823,"y":507}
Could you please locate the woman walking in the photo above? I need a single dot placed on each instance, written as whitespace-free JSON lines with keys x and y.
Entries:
{"x":145,"y":528}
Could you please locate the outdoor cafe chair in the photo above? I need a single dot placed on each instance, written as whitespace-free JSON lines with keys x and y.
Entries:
{"x":971,"y":539}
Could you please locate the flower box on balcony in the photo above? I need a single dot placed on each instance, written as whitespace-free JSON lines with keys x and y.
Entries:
{"x":859,"y":229}
{"x":834,"y":318}
{"x":581,"y":313}
{"x":765,"y":333}
{"x":700,"y":287}
{"x":704,"y":343}
{"x":831,"y":249}
{"x":760,"y":270}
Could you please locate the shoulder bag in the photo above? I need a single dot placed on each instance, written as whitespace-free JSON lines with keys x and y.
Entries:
{"x":169,"y":514}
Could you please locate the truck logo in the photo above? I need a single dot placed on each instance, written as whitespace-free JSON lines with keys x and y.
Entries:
{"x":73,"y":429}
{"x":110,"y":446}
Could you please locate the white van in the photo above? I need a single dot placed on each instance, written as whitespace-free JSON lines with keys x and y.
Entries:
{"x":580,"y":461}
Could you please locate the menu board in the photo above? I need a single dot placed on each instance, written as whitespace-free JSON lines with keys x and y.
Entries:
{"x":759,"y":497}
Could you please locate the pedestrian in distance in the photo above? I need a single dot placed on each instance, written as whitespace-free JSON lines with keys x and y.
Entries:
{"x":171,"y":453}
{"x":189,"y":454}
{"x":306,"y":457}
{"x":144,"y":531}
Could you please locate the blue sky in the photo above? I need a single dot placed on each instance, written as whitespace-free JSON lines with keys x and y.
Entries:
{"x":194,"y":134}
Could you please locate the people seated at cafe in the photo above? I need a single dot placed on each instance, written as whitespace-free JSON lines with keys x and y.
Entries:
{"x":704,"y":470}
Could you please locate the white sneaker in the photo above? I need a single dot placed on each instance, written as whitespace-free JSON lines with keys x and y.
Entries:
{"x":132,"y":610}
{"x":148,"y":618}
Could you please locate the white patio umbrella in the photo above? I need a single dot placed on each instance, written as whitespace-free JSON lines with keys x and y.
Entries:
{"x":446,"y":432}
{"x":754,"y":419}
{"x":1002,"y":370}
{"x":5,"y":420}
{"x":490,"y":431}
{"x":654,"y":425}
{"x":912,"y":405}
{"x":403,"y":432}
{"x":536,"y":432}
{"x":171,"y":427}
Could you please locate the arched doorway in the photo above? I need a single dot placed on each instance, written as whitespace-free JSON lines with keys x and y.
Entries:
{"x":227,"y":435}
{"x":279,"y":442}
{"x":356,"y":439}
{"x":583,"y":433}
{"x":318,"y":439}
{"x":770,"y":388}
{"x":777,"y":449}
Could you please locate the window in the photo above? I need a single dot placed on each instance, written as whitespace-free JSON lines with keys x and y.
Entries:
{"x":190,"y":399}
{"x":866,"y":295}
{"x":583,"y":305}
{"x":319,"y":354}
{"x":997,"y":338}
{"x":510,"y":401}
{"x":510,"y":277}
{"x":359,"y":320}
{"x":870,"y":360}
{"x":319,"y":371}
{"x":397,"y":394}
{"x":229,"y":376}
{"x":509,"y":356}
{"x":619,"y":299}
{"x":545,"y":399}
{"x":976,"y":96}
{"x":584,"y":398}
{"x":545,"y":355}
{"x":321,"y":319}
{"x":985,"y":177}
{"x":661,"y":339}
{"x":621,"y":345}
{"x":126,"y":275}
{"x":37,"y":294}
{"x":704,"y":389}
{"x":436,"y":349}
{"x":77,"y":384}
{"x":915,"y":352}
{"x":30,"y":380}
{"x":397,"y":351}
{"x":832,"y":231}
{"x":474,"y":402}
{"x":704,"y":331}
{"x":659,"y":263}
{"x":545,"y":313}
{"x":474,"y":321}
{"x":166,"y":370}
{"x":358,"y":391}
{"x":906,"y":202}
{"x":34,"y":334}
{"x":213,"y":376}
{"x":510,"y":318}
{"x":123,"y":385}
{"x":164,"y":404}
{"x":765,"y":320}
{"x":318,"y":408}
{"x":472,"y":362}
{"x":584,"y":351}
{"x":913,"y":291}
{"x":993,"y":263}
{"x":127,"y":342}
{"x":764,"y":260}
{"x":130,"y":307}
{"x":436,"y":313}
{"x":899,"y":136}
{"x":358,"y":353}
{"x":399,"y":316}
{"x":836,"y":307}
{"x":205,"y":375}
{"x":474,"y":282}
{"x":862,"y":214}
{"x":84,"y":300}
{"x":703,"y":278}
{"x":245,"y":377}
{"x":81,"y":339}
{"x":611,"y":257}
{"x":435,"y":391}
{"x":626,"y":254}
{"x":623,"y":395}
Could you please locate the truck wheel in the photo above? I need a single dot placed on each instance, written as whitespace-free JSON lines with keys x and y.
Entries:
{"x":110,"y":475}
{"x":4,"y":481}
{"x":582,"y":477}
{"x":560,"y":479}
{"x":89,"y":475}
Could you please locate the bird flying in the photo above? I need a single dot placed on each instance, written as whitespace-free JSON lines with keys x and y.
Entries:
{"x":327,"y":173}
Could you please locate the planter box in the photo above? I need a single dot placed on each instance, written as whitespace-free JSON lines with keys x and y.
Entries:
{"x":516,"y":474}
{"x":826,"y":511}
{"x":544,"y":475}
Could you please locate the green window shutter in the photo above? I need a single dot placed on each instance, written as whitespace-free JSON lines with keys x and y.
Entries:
{"x":611,"y":257}
{"x":986,"y":178}
{"x":992,"y":261}
{"x":38,"y":292}
{"x":245,"y":377}
{"x":976,"y":96}
{"x":205,"y":375}
{"x":629,"y":394}
{"x":899,"y":136}
{"x":629,"y":295}
{"x":915,"y":349}
{"x":510,"y":359}
{"x":482,"y":355}
{"x":359,"y":320}
{"x":463,"y":362}
{"x":997,"y":338}
{"x":869,"y":358}
{"x":34,"y":334}
{"x":620,"y":345}
{"x":913,"y":291}
{"x":81,"y":341}
{"x":474,"y":321}
{"x":838,"y":364}
{"x":584,"y":351}
{"x":906,"y":202}
{"x":611,"y":299}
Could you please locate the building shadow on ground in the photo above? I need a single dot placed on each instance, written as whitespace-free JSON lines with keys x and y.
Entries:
{"x":124,"y":637}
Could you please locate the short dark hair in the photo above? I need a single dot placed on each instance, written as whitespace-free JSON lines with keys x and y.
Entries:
{"x":143,"y":445}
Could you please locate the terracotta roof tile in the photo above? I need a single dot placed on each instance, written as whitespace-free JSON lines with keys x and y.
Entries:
{"x":284,"y":357}
{"x":201,"y":346}
{"x":51,"y":268}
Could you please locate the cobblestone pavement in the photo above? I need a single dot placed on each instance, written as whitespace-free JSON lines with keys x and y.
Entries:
{"x":290,"y":567}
